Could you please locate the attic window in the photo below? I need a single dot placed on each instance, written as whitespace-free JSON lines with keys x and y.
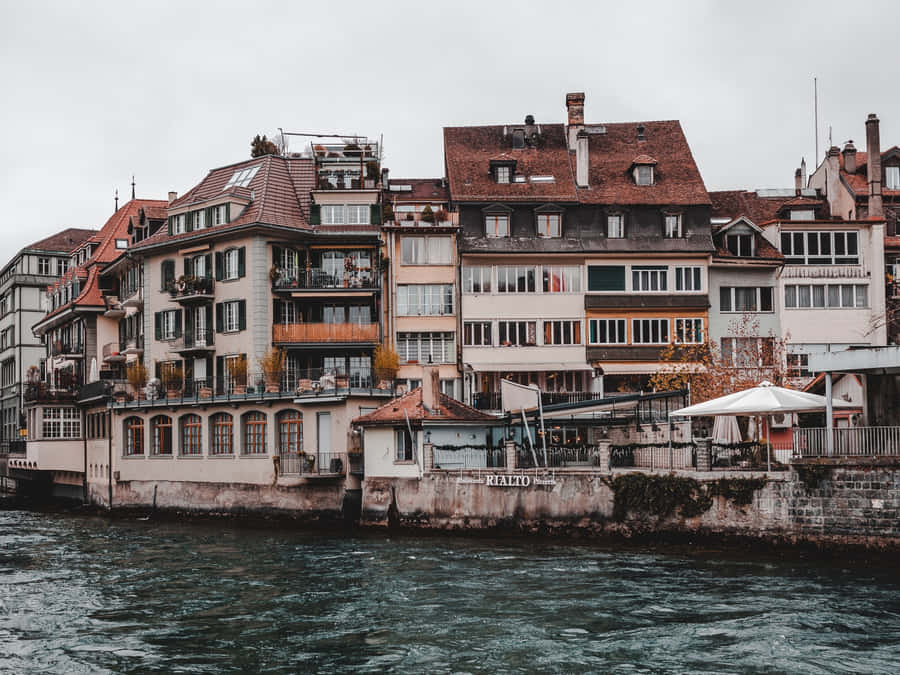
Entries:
{"x":542,"y":179}
{"x":121,"y":243}
{"x":242,"y":177}
{"x":740,"y":245}
{"x":802,"y":214}
{"x":643,"y":174}
{"x":502,"y":174}
{"x":892,"y":177}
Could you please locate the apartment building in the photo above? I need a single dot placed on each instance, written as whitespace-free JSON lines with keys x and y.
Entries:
{"x":23,"y":283}
{"x":584,"y":249}
{"x":422,"y":300}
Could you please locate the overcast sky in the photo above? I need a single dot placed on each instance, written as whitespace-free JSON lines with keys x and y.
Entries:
{"x":93,"y":92}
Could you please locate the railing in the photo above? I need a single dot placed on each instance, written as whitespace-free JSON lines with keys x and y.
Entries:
{"x":132,"y":344}
{"x":195,"y":339}
{"x":732,"y":457}
{"x":314,"y":464}
{"x":355,"y":462}
{"x":190,"y":287}
{"x":66,"y":349}
{"x":467,"y":457}
{"x":325,"y":332}
{"x":16,"y":447}
{"x":558,"y":456}
{"x":493,"y":401}
{"x":848,"y":442}
{"x":42,"y":393}
{"x":285,"y":279}
{"x":91,"y":390}
{"x":112,"y":351}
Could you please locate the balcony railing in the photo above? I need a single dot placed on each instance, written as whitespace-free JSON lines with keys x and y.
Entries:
{"x":132,"y":297}
{"x":324,"y":332}
{"x":132,"y":345}
{"x":314,"y":463}
{"x":192,"y":288}
{"x":67,"y":349}
{"x":113,"y":352}
{"x":316,"y":279}
{"x":194,"y":341}
{"x":848,"y":442}
{"x":492,"y":401}
{"x":41,"y":393}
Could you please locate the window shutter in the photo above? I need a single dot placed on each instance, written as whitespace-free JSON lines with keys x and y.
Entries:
{"x":228,"y":212}
{"x":208,"y":221}
{"x":242,"y":314}
{"x":187,"y":267}
{"x":220,"y":316}
{"x":315,"y":214}
{"x":207,"y":263}
{"x":171,"y":221}
{"x":219,"y":265}
{"x":209,"y":319}
{"x":157,"y":369}
{"x":189,"y":221}
{"x":157,"y":323}
{"x":178,"y":323}
{"x":242,"y":259}
{"x":276,"y":311}
{"x":220,"y":374}
{"x":375,"y":214}
{"x":276,"y":256}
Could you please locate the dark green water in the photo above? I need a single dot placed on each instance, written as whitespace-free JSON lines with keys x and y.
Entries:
{"x":84,"y":594}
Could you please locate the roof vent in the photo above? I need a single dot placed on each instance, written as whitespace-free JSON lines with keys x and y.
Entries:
{"x":529,"y":119}
{"x":640,"y":132}
{"x":518,"y":139}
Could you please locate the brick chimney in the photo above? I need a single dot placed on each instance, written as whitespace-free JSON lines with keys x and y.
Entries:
{"x":832,"y":177}
{"x":849,"y":153}
{"x":582,"y":161}
{"x":431,"y":388}
{"x":798,"y":181}
{"x":873,"y":166}
{"x":172,"y":196}
{"x":575,"y":108}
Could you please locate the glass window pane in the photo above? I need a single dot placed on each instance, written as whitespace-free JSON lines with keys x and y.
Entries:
{"x":862,"y":299}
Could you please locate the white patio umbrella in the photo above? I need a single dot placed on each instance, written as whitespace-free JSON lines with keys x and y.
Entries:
{"x":726,"y":430}
{"x":94,"y":376}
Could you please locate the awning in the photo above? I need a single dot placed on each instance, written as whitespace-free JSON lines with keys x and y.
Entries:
{"x":519,"y":367}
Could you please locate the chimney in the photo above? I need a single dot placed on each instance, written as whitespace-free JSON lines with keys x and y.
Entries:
{"x":803,"y":171}
{"x":384,"y":179}
{"x":172,"y":196}
{"x":873,"y":166}
{"x":575,"y":107}
{"x":849,"y":153}
{"x":431,"y":388}
{"x":798,"y":182}
{"x":582,"y":162}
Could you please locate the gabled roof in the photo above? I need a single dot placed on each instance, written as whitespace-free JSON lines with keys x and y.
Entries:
{"x":423,"y":190}
{"x":410,"y":406}
{"x":64,"y":241}
{"x":858,"y":181}
{"x":757,"y":209}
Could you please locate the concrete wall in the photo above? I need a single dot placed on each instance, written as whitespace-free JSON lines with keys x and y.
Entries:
{"x":381,"y":452}
{"x":722,"y":324}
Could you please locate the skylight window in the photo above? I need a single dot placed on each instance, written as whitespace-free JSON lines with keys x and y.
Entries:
{"x":242,"y":177}
{"x":542,"y":179}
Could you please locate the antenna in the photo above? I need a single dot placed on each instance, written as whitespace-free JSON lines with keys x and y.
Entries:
{"x":829,"y":136}
{"x":117,"y":201}
{"x":132,"y":186}
{"x":816,"y":112}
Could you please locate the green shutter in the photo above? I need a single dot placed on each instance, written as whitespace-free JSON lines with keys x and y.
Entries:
{"x":315,"y":214}
{"x":228,"y":212}
{"x":242,"y":261}
{"x":208,"y":324}
{"x":220,"y":374}
{"x":207,"y":263}
{"x":189,"y":221}
{"x":171,"y":222}
{"x":220,"y":316}
{"x":375,"y":214}
{"x":276,"y":311}
{"x":178,"y":323}
{"x":157,"y":323}
{"x":242,"y":314}
{"x":187,"y":267}
{"x":606,"y":277}
{"x":276,"y":256}
{"x":219,"y":265}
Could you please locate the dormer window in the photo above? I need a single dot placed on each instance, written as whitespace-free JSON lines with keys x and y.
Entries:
{"x":220,"y":214}
{"x":549,"y":225}
{"x":502,"y":174}
{"x":740,"y":245}
{"x":803,"y":214}
{"x":199,"y":218}
{"x":496,"y":225}
{"x":178,"y":224}
{"x":502,"y":170}
{"x":892,"y":177}
{"x":643,"y":175}
{"x":615,"y":226}
{"x":673,"y":226}
{"x":242,"y":177}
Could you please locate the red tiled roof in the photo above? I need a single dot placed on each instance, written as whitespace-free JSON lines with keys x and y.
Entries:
{"x":764,"y":249}
{"x":67,"y":240}
{"x":410,"y":405}
{"x":644,"y":159}
{"x":736,"y":203}
{"x":858,"y":181}
{"x":423,"y":190}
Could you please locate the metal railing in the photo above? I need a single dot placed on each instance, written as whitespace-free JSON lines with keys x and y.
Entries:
{"x":188,"y":287}
{"x":324,"y":332}
{"x":558,"y":456}
{"x":112,"y":351}
{"x":468,"y":457}
{"x":314,"y":463}
{"x":848,"y":442}
{"x":285,"y":279}
{"x":194,"y":339}
{"x":66,"y":348}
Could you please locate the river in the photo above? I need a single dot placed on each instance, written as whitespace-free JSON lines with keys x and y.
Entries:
{"x":86,"y":594}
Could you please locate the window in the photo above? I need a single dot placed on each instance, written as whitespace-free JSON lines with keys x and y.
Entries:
{"x":290,"y":432}
{"x":161,"y":430}
{"x":649,"y":279}
{"x":689,"y":331}
{"x":496,"y":225}
{"x":515,"y":279}
{"x":62,"y":266}
{"x":167,"y":274}
{"x":44,"y":266}
{"x":606,"y":277}
{"x":688,"y":278}
{"x":220,"y":214}
{"x":134,"y":436}
{"x":198,"y":266}
{"x":798,"y":365}
{"x":427,"y":347}
{"x":650,"y":331}
{"x":745,"y":299}
{"x":426,"y":250}
{"x":562,"y":332}
{"x":476,"y":279}
{"x":832,"y":296}
{"x":221,"y":434}
{"x":122,"y":244}
{"x":241,"y":177}
{"x":357,"y":214}
{"x":521,"y":333}
{"x":4,"y":305}
{"x":748,"y":352}
{"x":615,"y":227}
{"x":502,"y":174}
{"x":477,"y":333}
{"x":607,"y":332}
{"x":803,"y":214}
{"x":820,"y":248}
{"x":562,"y":279}
{"x":425,"y":300}
{"x":254,"y":433}
{"x":345,"y":214}
{"x":332,"y":214}
{"x":673,"y":226}
{"x":549,"y":225}
{"x":191,"y":427}
{"x":168,"y":324}
{"x":643,"y":175}
{"x":739,"y":244}
{"x":199,"y":219}
{"x":232,"y":260}
{"x":892,"y":177}
{"x":178,"y":224}
{"x":8,"y":372}
{"x":61,"y":423}
{"x":231,"y":312}
{"x":406,"y":445}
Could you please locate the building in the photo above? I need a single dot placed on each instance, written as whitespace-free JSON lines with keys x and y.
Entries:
{"x":23,"y":283}
{"x":422,"y":298}
{"x":584,"y":250}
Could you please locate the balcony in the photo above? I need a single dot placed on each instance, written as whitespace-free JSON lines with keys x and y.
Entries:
{"x":319,"y":279}
{"x":114,"y":309}
{"x":492,"y":400}
{"x":314,"y":463}
{"x":199,"y":341}
{"x":325,"y":333}
{"x":112,"y":353}
{"x":73,"y":350}
{"x":189,"y":290}
{"x":133,"y":298}
{"x":40,"y":393}
{"x":133,"y":345}
{"x":847,"y":442}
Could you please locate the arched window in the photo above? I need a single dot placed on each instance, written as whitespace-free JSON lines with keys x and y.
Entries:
{"x":134,"y":436}
{"x":191,"y":426}
{"x":161,"y":429}
{"x":254,"y":433}
{"x":290,"y":432}
{"x":221,"y":435}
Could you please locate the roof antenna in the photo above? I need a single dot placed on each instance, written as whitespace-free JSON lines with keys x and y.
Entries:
{"x":117,"y":200}
{"x":132,"y":186}
{"x":816,"y":113}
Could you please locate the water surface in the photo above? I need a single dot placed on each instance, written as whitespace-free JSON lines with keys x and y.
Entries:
{"x":85,"y":594}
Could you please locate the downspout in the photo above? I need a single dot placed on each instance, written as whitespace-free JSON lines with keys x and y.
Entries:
{"x":109,"y":456}
{"x":84,"y":480}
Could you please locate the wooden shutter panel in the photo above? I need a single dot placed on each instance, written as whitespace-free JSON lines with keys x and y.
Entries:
{"x":276,"y":311}
{"x":171,"y":221}
{"x":242,"y":261}
{"x":189,"y":221}
{"x":242,"y":314}
{"x":228,"y":212}
{"x":178,"y":323}
{"x":209,"y":217}
{"x":315,"y":214}
{"x":375,"y":214}
{"x":276,"y":256}
{"x":157,"y":323}
{"x":187,"y":267}
{"x":220,"y":374}
{"x":207,"y":264}
{"x":220,"y":316}
{"x":209,"y":322}
{"x":219,"y":265}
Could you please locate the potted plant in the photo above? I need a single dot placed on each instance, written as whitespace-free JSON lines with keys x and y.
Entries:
{"x":272,"y":366}
{"x":441,"y":216}
{"x":171,"y":376}
{"x":427,"y":215}
{"x":237,"y":368}
{"x":274,"y":275}
{"x":386,"y":363}
{"x":387,"y":213}
{"x":309,"y":462}
{"x":136,"y":373}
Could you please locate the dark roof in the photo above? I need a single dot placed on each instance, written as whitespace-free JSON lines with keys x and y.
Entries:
{"x":764,"y":249}
{"x":423,"y":190}
{"x":65,"y":241}
{"x":469,"y":150}
{"x":410,"y":406}
{"x":736,"y":203}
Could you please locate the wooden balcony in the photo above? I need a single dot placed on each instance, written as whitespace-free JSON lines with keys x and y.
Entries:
{"x":337,"y":333}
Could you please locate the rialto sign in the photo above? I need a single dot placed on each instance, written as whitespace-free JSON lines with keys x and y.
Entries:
{"x":517,"y":480}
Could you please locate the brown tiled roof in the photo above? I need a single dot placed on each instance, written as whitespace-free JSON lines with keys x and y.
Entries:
{"x":764,"y":249}
{"x":858,"y":180}
{"x":280,"y":196}
{"x":736,"y":203}
{"x":644,"y":159}
{"x":67,"y":240}
{"x":410,"y":405}
{"x":423,"y":190}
